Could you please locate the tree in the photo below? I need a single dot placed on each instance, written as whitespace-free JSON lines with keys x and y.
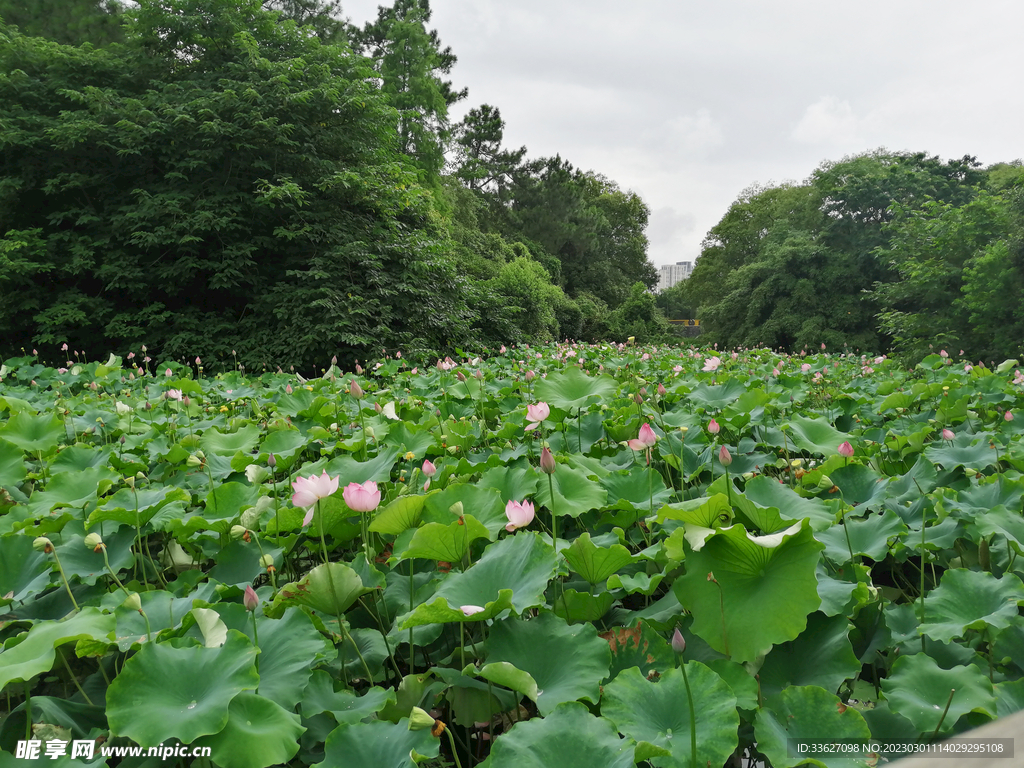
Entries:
{"x":411,"y":64}
{"x":323,"y":16}
{"x":481,"y":162}
{"x":223,"y":181}
{"x":71,"y":22}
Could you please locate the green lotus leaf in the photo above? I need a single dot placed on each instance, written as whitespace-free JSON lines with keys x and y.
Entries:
{"x":659,"y":713}
{"x":919,"y":689}
{"x":289,"y":649}
{"x":345,"y":705}
{"x":859,"y":484}
{"x":258,"y":734}
{"x":377,"y":744}
{"x":1009,"y":697}
{"x":284,"y":444}
{"x":508,"y":675}
{"x":576,"y":606}
{"x":230,"y":443}
{"x":712,"y":512}
{"x":594,"y":563}
{"x":744,"y":687}
{"x":574,"y":493}
{"x":414,"y":691}
{"x":808,"y":713}
{"x":816,"y":436}
{"x":634,"y":487}
{"x":474,"y":701}
{"x":638,"y":646}
{"x":349,"y":470}
{"x":23,"y":570}
{"x":964,"y":450}
{"x":400,"y":515}
{"x":12,"y":465}
{"x":35,"y":434}
{"x":570,"y":737}
{"x":822,"y":656}
{"x":768,"y":492}
{"x":571,"y":388}
{"x":966,"y":600}
{"x":72,"y":489}
{"x":568,"y":662}
{"x":164,"y":611}
{"x":513,"y":572}
{"x":32,"y":653}
{"x":86,"y":564}
{"x":226,"y":500}
{"x":868,"y":536}
{"x":164,"y":692}
{"x":483,"y":503}
{"x":715,"y":397}
{"x":511,"y":483}
{"x":448,"y":543}
{"x":1000,"y":521}
{"x":122,"y":506}
{"x":329,"y":593}
{"x":767,"y":580}
{"x":837,"y":594}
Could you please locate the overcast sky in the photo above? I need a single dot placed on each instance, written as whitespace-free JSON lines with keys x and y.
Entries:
{"x":688,"y":103}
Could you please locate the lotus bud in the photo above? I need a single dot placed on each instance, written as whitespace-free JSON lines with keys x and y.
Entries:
{"x":271,"y":461}
{"x":678,"y":641}
{"x":460,"y":375}
{"x":133,"y":602}
{"x":359,"y":369}
{"x":420,"y":720}
{"x":250,"y":600}
{"x":530,"y":375}
{"x":713,"y":427}
{"x":479,"y":374}
{"x":547,"y":461}
{"x":845,"y":449}
{"x":355,"y":390}
{"x":238,"y":532}
{"x":947,"y":434}
{"x":148,"y":406}
{"x":94,"y":542}
{"x":661,"y":389}
{"x":456,"y":509}
{"x":42,"y":544}
{"x":428,"y":468}
{"x":121,"y":440}
{"x":724,"y":456}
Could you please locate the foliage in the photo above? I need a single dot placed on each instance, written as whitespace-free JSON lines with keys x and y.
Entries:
{"x":71,"y":22}
{"x":874,"y":595}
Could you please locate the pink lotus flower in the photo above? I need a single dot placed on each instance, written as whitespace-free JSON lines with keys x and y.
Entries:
{"x":1008,"y":416}
{"x":428,"y":468}
{"x":362,"y":498}
{"x":775,"y":372}
{"x":713,"y":427}
{"x":646,"y":439}
{"x":536,"y":413}
{"x":943,"y":353}
{"x":845,"y":449}
{"x":519,"y":514}
{"x":711,"y":364}
{"x":167,"y":372}
{"x":249,"y":599}
{"x":947,"y":434}
{"x":64,"y":347}
{"x":822,"y":345}
{"x":309,"y":490}
{"x":678,"y":641}
{"x":548,"y":465}
{"x":173,"y":394}
{"x":805,"y":367}
{"x":469,"y":610}
{"x":724,"y":456}
{"x":501,"y":351}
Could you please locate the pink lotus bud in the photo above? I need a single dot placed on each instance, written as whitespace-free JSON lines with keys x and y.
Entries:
{"x":643,"y":391}
{"x":479,"y":374}
{"x":377,"y":408}
{"x":724,"y":456}
{"x":198,"y":361}
{"x":822,"y":345}
{"x":271,"y":461}
{"x":530,"y":375}
{"x":428,"y":468}
{"x":678,"y":641}
{"x":547,"y":461}
{"x":947,"y":434}
{"x":661,"y":389}
{"x":713,"y":427}
{"x":355,"y":390}
{"x":288,"y":389}
{"x":845,"y":449}
{"x":460,"y":375}
{"x":64,"y":347}
{"x":1008,"y":416}
{"x":943,"y":353}
{"x":167,"y":372}
{"x":359,"y":369}
{"x":250,"y":600}
{"x":334,"y":360}
{"x":469,"y":610}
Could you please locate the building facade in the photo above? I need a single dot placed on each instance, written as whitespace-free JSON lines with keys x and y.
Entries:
{"x":674,"y":273}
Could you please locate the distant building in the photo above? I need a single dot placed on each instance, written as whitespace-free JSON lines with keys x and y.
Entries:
{"x":674,"y":273}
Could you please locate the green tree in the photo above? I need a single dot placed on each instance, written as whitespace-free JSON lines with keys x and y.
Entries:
{"x":638,"y":316}
{"x":412,"y":66}
{"x":323,"y":16}
{"x":481,"y":162}
{"x":71,"y":22}
{"x":223,"y":181}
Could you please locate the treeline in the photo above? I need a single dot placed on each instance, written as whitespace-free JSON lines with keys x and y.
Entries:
{"x":210,"y":176}
{"x":884,"y":251}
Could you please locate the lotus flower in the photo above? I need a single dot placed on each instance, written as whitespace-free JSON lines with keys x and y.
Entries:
{"x":362,"y":498}
{"x":1008,"y":416}
{"x":547,"y":461}
{"x":249,"y":599}
{"x":309,"y":490}
{"x":519,"y":514}
{"x":724,"y":456}
{"x":646,"y":439}
{"x":947,"y":434}
{"x":713,"y":427}
{"x":469,"y":610}
{"x":678,"y":642}
{"x":711,"y":364}
{"x":535,"y":414}
{"x":428,"y":468}
{"x":805,"y":367}
{"x":845,"y":449}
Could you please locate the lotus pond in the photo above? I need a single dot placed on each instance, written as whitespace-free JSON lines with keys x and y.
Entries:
{"x":561,"y":556}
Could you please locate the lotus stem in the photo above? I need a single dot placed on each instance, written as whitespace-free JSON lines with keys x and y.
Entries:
{"x":554,"y":519}
{"x":693,"y":718}
{"x":412,"y":600}
{"x":942,"y":719}
{"x":63,"y":577}
{"x":74,"y":678}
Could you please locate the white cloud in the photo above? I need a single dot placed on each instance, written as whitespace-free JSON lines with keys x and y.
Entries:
{"x":829,"y":121}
